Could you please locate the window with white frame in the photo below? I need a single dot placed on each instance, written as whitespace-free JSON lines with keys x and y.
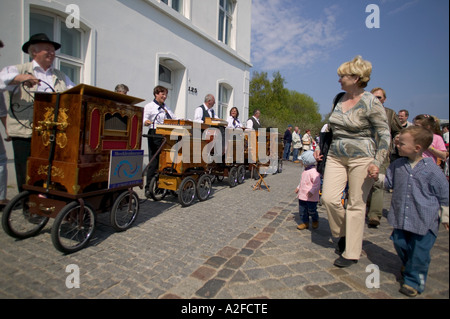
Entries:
{"x":226,"y":9}
{"x":70,"y":58}
{"x":165,"y":79}
{"x":224,"y":101}
{"x":165,"y":74}
{"x":177,"y":5}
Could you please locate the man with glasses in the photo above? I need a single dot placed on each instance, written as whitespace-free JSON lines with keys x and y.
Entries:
{"x":20,"y":82}
{"x":375,"y":201}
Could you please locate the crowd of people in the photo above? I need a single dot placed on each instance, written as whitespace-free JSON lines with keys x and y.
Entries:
{"x":295,"y":143}
{"x":373,"y":149}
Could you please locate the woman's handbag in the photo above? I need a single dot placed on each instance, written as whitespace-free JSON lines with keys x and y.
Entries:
{"x":325,"y":140}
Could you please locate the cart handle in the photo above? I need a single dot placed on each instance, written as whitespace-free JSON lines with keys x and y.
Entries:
{"x":156,"y":154}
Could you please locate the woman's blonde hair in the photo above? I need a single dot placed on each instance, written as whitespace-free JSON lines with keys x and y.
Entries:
{"x":358,"y":67}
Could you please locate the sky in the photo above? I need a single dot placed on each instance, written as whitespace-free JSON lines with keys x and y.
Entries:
{"x":307,"y":41}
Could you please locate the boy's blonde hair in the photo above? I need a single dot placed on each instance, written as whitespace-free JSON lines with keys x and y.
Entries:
{"x":421,"y":135}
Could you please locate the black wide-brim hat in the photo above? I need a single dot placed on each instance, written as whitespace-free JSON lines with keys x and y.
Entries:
{"x":39,"y":38}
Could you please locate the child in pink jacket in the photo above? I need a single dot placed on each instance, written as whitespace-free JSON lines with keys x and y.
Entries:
{"x":308,"y":192}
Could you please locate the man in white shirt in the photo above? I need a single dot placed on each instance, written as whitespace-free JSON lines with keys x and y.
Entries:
{"x":38,"y":75}
{"x":155,"y":113}
{"x":3,"y":156}
{"x":403,"y":116}
{"x":205,"y":110}
{"x":445,"y":133}
{"x":253,"y":122}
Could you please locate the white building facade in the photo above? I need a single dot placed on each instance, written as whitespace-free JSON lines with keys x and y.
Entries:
{"x":192,"y":47}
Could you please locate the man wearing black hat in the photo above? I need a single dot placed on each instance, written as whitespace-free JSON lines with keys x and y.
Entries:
{"x":37,"y":75}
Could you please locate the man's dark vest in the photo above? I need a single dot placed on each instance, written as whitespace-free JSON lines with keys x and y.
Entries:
{"x":256,"y":125}
{"x":205,"y":112}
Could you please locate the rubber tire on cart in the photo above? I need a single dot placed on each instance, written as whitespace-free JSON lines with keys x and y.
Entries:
{"x":204,"y":187}
{"x":17,"y":221}
{"x":233,"y":177}
{"x":186,"y":192}
{"x":156,"y":193}
{"x":124,"y":211}
{"x":241,"y":174}
{"x":68,"y":233}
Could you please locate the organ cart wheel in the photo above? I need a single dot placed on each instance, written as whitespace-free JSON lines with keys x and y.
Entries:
{"x":19,"y":221}
{"x":187,"y":190}
{"x":124,"y":211}
{"x":233,"y":177}
{"x":204,"y":187}
{"x":156,"y":193}
{"x":73,"y":227}
{"x":241,"y":174}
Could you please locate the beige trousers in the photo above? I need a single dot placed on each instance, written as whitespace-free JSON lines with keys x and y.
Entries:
{"x":347,"y":222}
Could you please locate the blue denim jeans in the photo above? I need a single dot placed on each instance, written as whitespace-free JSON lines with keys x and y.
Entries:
{"x":306,"y":210}
{"x":295,"y":154}
{"x":287,"y":151}
{"x":414,"y":251}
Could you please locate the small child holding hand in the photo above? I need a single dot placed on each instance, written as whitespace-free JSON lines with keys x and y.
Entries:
{"x":419,"y":203}
{"x":308,"y":191}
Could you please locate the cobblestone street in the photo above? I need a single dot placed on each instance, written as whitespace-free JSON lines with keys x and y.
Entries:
{"x":239,"y":244}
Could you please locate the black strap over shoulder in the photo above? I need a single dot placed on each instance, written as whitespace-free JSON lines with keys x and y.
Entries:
{"x":326,"y":139}
{"x":336,"y":99}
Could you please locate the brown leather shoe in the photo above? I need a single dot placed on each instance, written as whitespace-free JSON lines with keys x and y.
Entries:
{"x":315,"y":225}
{"x":408,"y":291}
{"x":373,"y":222}
{"x":303,"y":226}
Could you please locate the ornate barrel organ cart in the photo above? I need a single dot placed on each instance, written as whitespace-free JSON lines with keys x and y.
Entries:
{"x":178,"y":172}
{"x":85,"y":159}
{"x":191,"y":176}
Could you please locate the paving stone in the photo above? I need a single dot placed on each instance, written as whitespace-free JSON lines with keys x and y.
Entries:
{"x":253,"y":244}
{"x":273,"y":284}
{"x":216,"y":261}
{"x":225,"y":273}
{"x":211,"y":288}
{"x":239,"y":277}
{"x":227,"y":252}
{"x":204,"y":273}
{"x":246,"y":252}
{"x":235,"y":262}
{"x":336,"y":287}
{"x":265,"y":261}
{"x":316,"y":291}
{"x":257,"y":274}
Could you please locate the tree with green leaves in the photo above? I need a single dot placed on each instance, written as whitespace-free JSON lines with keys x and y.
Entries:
{"x":280,"y":107}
